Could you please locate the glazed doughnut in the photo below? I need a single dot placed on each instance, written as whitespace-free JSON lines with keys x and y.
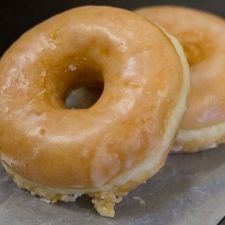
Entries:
{"x":202,"y":36}
{"x":105,"y":150}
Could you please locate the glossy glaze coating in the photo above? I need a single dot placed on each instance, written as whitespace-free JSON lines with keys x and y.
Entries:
{"x":202,"y":36}
{"x":87,"y":149}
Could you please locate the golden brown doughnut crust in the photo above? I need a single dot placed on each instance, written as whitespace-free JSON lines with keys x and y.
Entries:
{"x":202,"y":36}
{"x":111,"y":147}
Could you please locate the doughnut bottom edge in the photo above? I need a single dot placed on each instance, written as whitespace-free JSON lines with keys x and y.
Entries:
{"x":104,"y":201}
{"x":191,"y":141}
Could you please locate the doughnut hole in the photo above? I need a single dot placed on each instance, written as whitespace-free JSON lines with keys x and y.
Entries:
{"x":75,"y":83}
{"x":196,"y":47}
{"x":84,"y":96}
{"x":85,"y":88}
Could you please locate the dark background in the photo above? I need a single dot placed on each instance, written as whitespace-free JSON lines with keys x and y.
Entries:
{"x":16,"y":16}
